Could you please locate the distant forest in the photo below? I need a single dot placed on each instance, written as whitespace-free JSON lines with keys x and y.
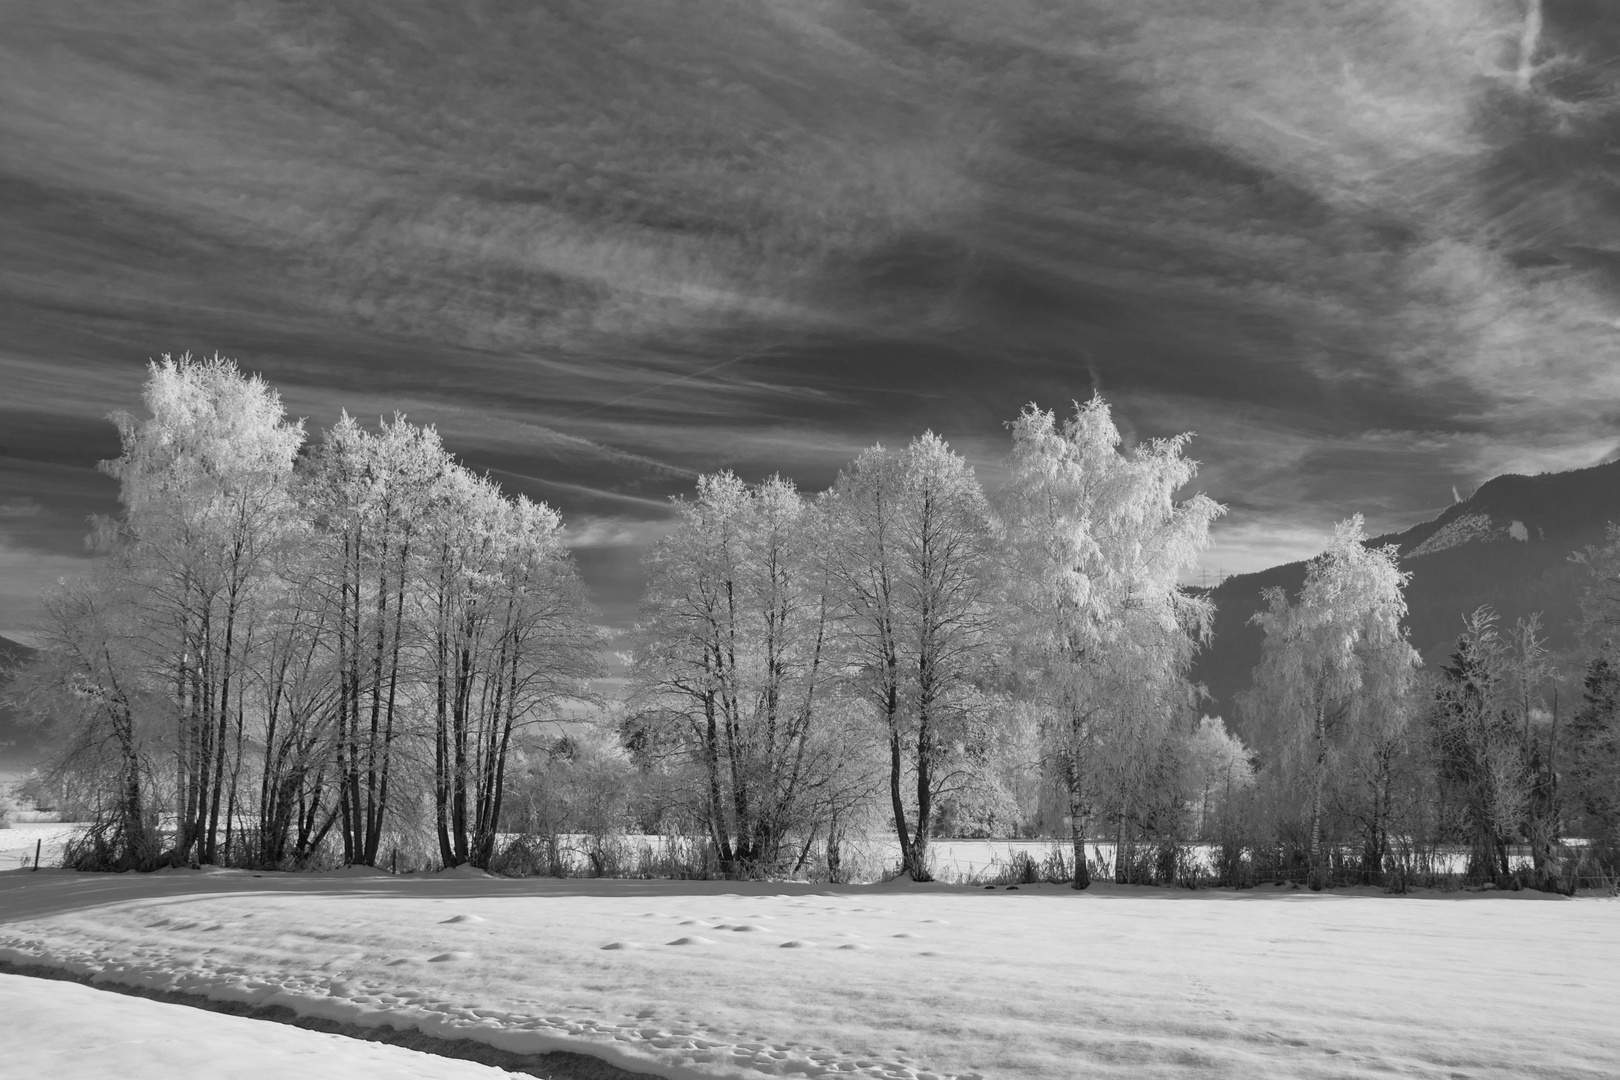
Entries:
{"x":305,"y":652}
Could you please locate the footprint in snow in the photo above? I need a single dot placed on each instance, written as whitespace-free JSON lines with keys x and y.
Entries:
{"x":904,"y":934}
{"x":795,"y":944}
{"x":746,"y":928}
{"x":623,"y":945}
{"x":698,"y":922}
{"x":692,"y":939}
{"x":855,"y":945}
{"x":463,"y":918}
{"x":445,"y":957}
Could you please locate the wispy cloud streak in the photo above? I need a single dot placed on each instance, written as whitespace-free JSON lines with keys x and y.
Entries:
{"x":1368,"y":251}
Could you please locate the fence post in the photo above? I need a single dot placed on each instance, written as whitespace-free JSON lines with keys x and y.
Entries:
{"x":38,"y":841}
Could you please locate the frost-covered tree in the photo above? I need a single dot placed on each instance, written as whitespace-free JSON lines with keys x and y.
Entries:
{"x":1096,"y":543}
{"x":507,"y":639}
{"x":297,"y":686}
{"x":730,"y":669}
{"x":369,"y":497}
{"x":295,"y":621}
{"x":582,"y":784}
{"x":88,"y":686}
{"x":912,"y":560}
{"x":1333,"y":661}
{"x":204,"y":482}
{"x":1220,"y":769}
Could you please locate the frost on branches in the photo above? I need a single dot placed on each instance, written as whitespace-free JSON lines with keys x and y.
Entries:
{"x":733,"y":678}
{"x":914,"y":573}
{"x":1335,"y":662}
{"x":1097,"y":543}
{"x":285,"y":648}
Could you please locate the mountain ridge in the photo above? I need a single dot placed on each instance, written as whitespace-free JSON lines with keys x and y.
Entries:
{"x":1507,"y":545}
{"x":16,"y":743}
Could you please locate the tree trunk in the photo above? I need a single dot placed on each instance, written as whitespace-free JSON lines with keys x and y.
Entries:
{"x":441,"y":740}
{"x":1079,"y":813}
{"x":717,"y":812}
{"x":1318,"y":878}
{"x":461,"y":719}
{"x":896,"y":797}
{"x":925,"y":799}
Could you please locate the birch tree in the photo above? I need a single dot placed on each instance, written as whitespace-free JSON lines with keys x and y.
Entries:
{"x":1097,"y":542}
{"x":1331,"y":659}
{"x":1221,"y":770}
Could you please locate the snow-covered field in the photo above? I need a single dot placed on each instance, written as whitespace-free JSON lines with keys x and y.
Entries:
{"x":706,"y":979}
{"x":18,"y":842}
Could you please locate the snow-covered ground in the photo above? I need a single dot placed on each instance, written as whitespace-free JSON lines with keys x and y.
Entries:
{"x":17,"y":842}
{"x":706,"y":979}
{"x":65,"y":1031}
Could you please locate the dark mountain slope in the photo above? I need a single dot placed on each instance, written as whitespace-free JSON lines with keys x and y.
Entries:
{"x":1508,"y":546}
{"x":16,"y":744}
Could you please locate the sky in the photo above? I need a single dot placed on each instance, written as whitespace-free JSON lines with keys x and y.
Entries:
{"x":1369,"y":252}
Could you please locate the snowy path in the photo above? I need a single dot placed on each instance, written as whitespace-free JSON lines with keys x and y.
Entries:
{"x":65,"y":1031}
{"x":717,"y":979}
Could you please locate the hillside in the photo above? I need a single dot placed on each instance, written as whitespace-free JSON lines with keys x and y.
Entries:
{"x":15,"y":745}
{"x":1508,"y":546}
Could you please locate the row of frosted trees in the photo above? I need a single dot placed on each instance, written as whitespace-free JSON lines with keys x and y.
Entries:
{"x":288,"y":642}
{"x":1378,"y":772}
{"x":804,"y":661}
{"x":297,"y":651}
{"x":902,"y":641}
{"x":291,"y":645}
